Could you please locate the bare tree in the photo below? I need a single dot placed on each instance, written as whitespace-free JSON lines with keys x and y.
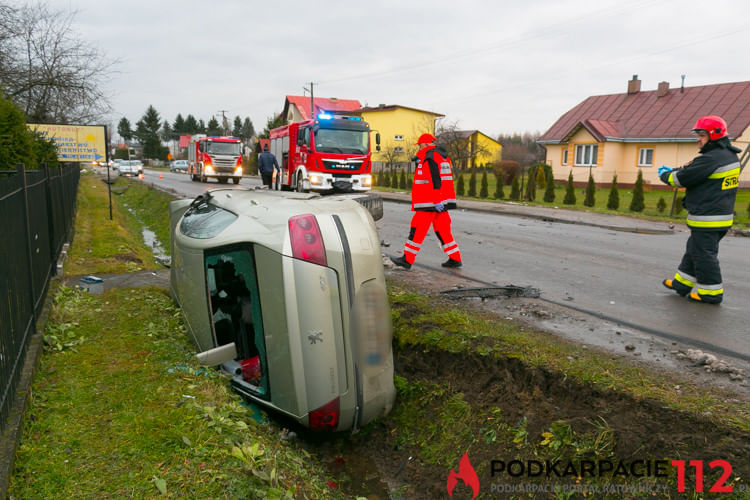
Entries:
{"x":462,"y":150}
{"x":47,"y":70}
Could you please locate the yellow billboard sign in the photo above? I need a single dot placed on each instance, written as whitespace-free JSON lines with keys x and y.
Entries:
{"x":84,"y":143}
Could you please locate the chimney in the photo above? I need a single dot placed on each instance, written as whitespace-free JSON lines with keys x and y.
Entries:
{"x":634,"y":85}
{"x":663,"y":89}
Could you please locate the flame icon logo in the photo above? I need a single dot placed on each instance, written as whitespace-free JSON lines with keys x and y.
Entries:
{"x":466,"y":473}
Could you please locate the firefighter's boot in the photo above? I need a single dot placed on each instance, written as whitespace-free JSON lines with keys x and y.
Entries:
{"x":678,"y":287}
{"x":452,"y":263}
{"x":401,"y":262}
{"x":705,"y":299}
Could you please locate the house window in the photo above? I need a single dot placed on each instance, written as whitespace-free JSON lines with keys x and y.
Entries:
{"x":586,"y":155}
{"x":565,"y":156}
{"x":398,"y":149}
{"x":398,"y":137}
{"x":646,"y":157}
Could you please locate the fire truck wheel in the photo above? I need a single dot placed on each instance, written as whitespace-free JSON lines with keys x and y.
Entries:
{"x":301,"y":184}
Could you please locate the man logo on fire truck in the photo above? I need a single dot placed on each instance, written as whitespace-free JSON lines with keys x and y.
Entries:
{"x":330,"y":153}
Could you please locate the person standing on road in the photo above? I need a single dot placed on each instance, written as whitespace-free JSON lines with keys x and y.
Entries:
{"x":432,"y":195}
{"x":266,"y":165}
{"x":710,"y":181}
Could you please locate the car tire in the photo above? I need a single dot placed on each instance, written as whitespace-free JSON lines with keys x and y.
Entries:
{"x":373,"y":203}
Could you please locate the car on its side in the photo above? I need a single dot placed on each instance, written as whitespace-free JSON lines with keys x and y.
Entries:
{"x":178,"y":166}
{"x":286,"y":293}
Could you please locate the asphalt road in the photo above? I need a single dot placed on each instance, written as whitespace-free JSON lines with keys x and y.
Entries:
{"x":614,"y":275}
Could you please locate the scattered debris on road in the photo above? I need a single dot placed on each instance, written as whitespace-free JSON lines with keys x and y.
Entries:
{"x":494,"y":291}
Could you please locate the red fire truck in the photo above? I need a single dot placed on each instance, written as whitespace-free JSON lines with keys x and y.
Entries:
{"x":217,"y":157}
{"x":329,"y":153}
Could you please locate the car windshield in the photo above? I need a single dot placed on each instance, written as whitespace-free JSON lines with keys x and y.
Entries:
{"x":224,"y":148}
{"x":341,"y":141}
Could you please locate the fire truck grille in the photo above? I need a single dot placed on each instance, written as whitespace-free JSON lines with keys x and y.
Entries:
{"x":224,"y":165}
{"x":345,"y":166}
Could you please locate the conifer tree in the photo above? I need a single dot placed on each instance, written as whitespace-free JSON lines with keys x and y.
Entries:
{"x":460,"y":188}
{"x":541,"y":176}
{"x":386,"y":182}
{"x":515,"y":189}
{"x":531,"y":186}
{"x":484,"y":189}
{"x":499,"y":194}
{"x":394,"y":179}
{"x":661,"y":205}
{"x":590,"y":198}
{"x":636,"y":204}
{"x":570,"y":193}
{"x":613,"y":202}
{"x":549,"y":190}
{"x":473,"y":183}
{"x":402,"y":180}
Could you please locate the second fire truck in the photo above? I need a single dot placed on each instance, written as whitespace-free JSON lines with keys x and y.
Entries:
{"x":217,"y":157}
{"x":329,"y":153}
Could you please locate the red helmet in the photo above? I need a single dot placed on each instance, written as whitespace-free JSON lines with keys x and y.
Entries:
{"x":714,"y":125}
{"x":426,"y":139}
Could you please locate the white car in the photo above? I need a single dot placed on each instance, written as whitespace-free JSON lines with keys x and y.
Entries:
{"x":285,"y":291}
{"x":178,"y":166}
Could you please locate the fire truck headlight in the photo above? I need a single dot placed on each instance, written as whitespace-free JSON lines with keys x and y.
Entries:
{"x":367,"y":180}
{"x":209,"y":169}
{"x":238,"y":171}
{"x":315,"y":179}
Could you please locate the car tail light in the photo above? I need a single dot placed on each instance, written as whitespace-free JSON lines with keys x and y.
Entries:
{"x":307,"y":242}
{"x":325,"y":418}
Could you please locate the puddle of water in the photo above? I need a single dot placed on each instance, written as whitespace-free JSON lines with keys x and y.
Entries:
{"x":149,"y":238}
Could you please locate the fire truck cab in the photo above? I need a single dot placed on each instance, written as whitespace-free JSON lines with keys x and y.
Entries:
{"x":329,"y":153}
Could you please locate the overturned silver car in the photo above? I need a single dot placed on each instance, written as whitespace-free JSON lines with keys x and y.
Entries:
{"x":285,"y":291}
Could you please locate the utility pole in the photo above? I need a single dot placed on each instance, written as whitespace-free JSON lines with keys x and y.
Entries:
{"x":224,"y":122}
{"x":312,"y":99}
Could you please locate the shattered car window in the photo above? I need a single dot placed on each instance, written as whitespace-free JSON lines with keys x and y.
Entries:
{"x":204,"y":220}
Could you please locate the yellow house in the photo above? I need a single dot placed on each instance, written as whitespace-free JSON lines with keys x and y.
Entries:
{"x":622,"y":134}
{"x":399,"y":127}
{"x":471,"y":148}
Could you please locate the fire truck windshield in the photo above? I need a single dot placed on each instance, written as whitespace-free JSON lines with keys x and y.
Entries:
{"x":329,"y":140}
{"x":223,"y":148}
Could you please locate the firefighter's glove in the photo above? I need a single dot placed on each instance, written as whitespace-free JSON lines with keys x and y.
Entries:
{"x":664,"y":169}
{"x":439,"y":207}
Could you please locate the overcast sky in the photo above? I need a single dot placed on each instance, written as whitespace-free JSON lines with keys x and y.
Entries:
{"x":496,"y":66}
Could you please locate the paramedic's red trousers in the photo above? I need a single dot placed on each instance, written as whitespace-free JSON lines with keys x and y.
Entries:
{"x":420,"y":225}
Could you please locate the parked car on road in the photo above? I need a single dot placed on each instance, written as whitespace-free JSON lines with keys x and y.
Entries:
{"x":178,"y":166}
{"x":130,"y":168}
{"x":285,"y":292}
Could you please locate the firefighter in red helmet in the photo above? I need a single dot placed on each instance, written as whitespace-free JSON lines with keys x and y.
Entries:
{"x":432,"y":195}
{"x":710,"y":180}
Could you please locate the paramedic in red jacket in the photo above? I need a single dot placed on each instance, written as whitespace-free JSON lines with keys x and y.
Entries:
{"x":432,"y":195}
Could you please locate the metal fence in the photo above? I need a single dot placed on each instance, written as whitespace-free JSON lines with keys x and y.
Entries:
{"x":36,"y":216}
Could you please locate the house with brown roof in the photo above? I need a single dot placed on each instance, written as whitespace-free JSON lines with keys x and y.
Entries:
{"x":622,"y":134}
{"x":297,"y":107}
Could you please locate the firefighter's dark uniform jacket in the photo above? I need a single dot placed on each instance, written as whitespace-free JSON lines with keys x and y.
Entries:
{"x":710,"y":183}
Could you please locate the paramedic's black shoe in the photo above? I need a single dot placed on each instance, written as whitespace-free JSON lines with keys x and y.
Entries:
{"x":678,"y":287}
{"x":401,"y":262}
{"x":452,"y":263}
{"x":705,"y":299}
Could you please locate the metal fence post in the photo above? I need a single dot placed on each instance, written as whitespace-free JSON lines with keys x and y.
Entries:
{"x":26,"y":224}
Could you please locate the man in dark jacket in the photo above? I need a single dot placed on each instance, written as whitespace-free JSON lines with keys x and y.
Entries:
{"x":710,"y":181}
{"x":266,"y":164}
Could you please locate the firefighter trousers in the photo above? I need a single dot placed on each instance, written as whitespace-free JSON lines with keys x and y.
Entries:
{"x":699,"y":269}
{"x":420,"y":225}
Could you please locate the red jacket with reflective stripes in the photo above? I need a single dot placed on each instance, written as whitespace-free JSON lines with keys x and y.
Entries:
{"x":425,"y":191}
{"x":447,"y":190}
